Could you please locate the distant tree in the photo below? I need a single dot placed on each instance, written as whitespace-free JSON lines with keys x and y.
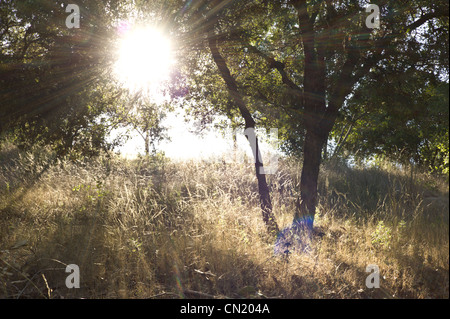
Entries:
{"x":144,"y":117}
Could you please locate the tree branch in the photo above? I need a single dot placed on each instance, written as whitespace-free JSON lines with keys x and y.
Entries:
{"x":425,"y":18}
{"x":266,"y":205}
{"x":346,"y":80}
{"x":229,"y":80}
{"x":279,"y":66}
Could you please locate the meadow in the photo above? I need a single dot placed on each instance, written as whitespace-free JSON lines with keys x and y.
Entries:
{"x":155,"y":228}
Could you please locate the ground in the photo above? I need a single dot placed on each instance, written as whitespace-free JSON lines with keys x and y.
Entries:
{"x":154,"y":228}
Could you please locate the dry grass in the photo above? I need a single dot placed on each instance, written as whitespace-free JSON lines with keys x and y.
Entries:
{"x":153,"y":228}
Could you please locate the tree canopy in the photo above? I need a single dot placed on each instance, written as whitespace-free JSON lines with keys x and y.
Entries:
{"x":302,"y":65}
{"x":54,"y":80}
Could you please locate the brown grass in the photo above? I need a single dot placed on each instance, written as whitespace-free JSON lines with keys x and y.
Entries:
{"x":151,"y":228}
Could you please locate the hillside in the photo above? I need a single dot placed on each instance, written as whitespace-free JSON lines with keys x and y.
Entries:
{"x":152,"y":228}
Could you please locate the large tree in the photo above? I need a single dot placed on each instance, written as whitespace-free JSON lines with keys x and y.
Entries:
{"x":299,"y":62}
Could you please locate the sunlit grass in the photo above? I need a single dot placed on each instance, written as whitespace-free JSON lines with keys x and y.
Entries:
{"x":153,"y":228}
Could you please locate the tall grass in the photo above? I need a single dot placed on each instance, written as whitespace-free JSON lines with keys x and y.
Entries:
{"x":152,"y":228}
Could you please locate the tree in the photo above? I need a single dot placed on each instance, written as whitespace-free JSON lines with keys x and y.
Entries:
{"x":144,"y":117}
{"x":299,"y":65}
{"x":409,"y":127}
{"x":306,"y":58}
{"x":54,"y":80}
{"x":233,"y":107}
{"x":410,"y":124}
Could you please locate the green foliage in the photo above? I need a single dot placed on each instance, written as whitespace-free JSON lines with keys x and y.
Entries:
{"x":382,"y":235}
{"x":400,"y":108}
{"x":137,"y":112}
{"x":409,"y":125}
{"x":252,"y":33}
{"x":53,"y":82}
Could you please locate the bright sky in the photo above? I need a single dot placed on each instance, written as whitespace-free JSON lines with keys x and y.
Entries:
{"x":183,"y":143}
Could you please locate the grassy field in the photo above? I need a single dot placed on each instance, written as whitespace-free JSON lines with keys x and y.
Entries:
{"x":152,"y":228}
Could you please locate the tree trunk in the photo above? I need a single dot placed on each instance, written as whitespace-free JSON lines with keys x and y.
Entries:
{"x":235,"y":148}
{"x":230,"y":82}
{"x":306,"y":205}
{"x":263,"y":188}
{"x":314,"y":105}
{"x":147,"y":143}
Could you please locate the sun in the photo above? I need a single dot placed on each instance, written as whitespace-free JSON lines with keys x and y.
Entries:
{"x":144,"y":59}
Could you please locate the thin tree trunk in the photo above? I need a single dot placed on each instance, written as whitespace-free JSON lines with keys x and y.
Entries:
{"x":235,"y":148}
{"x":147,"y":143}
{"x":263,"y":188}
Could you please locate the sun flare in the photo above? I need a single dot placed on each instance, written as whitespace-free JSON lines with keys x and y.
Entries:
{"x":144,"y":59}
